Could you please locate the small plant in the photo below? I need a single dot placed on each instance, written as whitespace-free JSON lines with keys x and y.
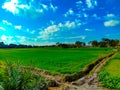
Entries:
{"x":13,"y":77}
{"x":109,"y":81}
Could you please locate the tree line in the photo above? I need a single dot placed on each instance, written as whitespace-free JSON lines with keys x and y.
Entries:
{"x":105,"y":42}
{"x":3,"y":45}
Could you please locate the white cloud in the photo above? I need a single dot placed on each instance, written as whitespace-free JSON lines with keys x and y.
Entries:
{"x":88,"y":30}
{"x":11,"y":6}
{"x":6,"y":22}
{"x":3,"y":38}
{"x":111,"y":20}
{"x":69,"y":12}
{"x":7,"y":39}
{"x":2,"y":28}
{"x":54,"y":8}
{"x":110,"y":15}
{"x":79,"y":2}
{"x":21,"y":8}
{"x":17,"y":8}
{"x":77,"y":37}
{"x":91,"y":3}
{"x":70,"y":25}
{"x":22,"y":39}
{"x":50,"y":30}
{"x":85,"y":15}
{"x":111,"y":23}
{"x":32,"y":32}
{"x":18,"y":27}
{"x":44,"y":6}
{"x":27,"y":29}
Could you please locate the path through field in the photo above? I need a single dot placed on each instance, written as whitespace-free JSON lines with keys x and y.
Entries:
{"x":90,"y":82}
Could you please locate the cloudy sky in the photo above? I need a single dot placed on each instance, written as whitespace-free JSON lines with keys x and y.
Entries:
{"x":41,"y":22}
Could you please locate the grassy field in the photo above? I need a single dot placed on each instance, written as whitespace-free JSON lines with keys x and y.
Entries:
{"x":54,"y":59}
{"x":110,"y":74}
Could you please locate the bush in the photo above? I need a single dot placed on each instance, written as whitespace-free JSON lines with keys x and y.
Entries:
{"x":109,"y":81}
{"x":13,"y":77}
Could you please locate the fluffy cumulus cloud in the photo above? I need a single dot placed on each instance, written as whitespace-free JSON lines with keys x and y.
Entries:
{"x":22,"y":39}
{"x":3,"y":37}
{"x":111,"y":20}
{"x":111,"y":23}
{"x":78,"y":37}
{"x":2,"y":28}
{"x":10,"y":25}
{"x":7,"y":39}
{"x":18,"y":27}
{"x":86,"y":6}
{"x":88,"y":30}
{"x":6,"y":22}
{"x":69,"y":13}
{"x":54,"y":8}
{"x":30,"y":31}
{"x":50,"y":30}
{"x":110,"y":15}
{"x":27,"y":8}
{"x":91,"y":3}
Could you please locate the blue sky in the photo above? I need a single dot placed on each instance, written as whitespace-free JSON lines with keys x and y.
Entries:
{"x":45,"y":22}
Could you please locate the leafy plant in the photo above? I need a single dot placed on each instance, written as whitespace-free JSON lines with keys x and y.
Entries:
{"x":108,"y":80}
{"x":13,"y":77}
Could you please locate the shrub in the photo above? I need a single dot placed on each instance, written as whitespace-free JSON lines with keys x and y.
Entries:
{"x":13,"y":77}
{"x":108,"y":80}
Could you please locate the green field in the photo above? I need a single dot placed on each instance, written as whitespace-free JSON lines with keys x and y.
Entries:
{"x":110,"y":74}
{"x":54,"y":59}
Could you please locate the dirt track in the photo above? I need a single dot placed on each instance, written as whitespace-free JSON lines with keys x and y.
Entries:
{"x":90,"y":82}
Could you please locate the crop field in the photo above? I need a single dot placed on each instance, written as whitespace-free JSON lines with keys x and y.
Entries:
{"x":110,"y":74}
{"x":54,"y":59}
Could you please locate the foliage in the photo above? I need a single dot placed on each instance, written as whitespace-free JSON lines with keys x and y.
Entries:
{"x":110,"y":74}
{"x":105,"y":42}
{"x":13,"y":77}
{"x":60,"y":60}
{"x":109,"y":81}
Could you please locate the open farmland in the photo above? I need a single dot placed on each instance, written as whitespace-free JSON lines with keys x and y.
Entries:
{"x":110,"y":74}
{"x":54,"y":59}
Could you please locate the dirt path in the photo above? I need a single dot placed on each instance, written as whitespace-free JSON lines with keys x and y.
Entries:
{"x":90,"y":82}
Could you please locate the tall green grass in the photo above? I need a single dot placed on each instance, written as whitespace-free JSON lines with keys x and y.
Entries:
{"x":110,"y":74}
{"x":54,"y":59}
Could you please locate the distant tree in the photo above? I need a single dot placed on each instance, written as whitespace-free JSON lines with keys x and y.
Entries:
{"x":114,"y":43}
{"x":58,"y":44}
{"x":2,"y":45}
{"x":102,"y":44}
{"x":79,"y":44}
{"x":12,"y":45}
{"x":106,"y":42}
{"x":94,"y":43}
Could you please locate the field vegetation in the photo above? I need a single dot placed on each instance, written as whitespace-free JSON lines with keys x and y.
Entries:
{"x":14,"y":77}
{"x":110,"y":74}
{"x":61,"y":60}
